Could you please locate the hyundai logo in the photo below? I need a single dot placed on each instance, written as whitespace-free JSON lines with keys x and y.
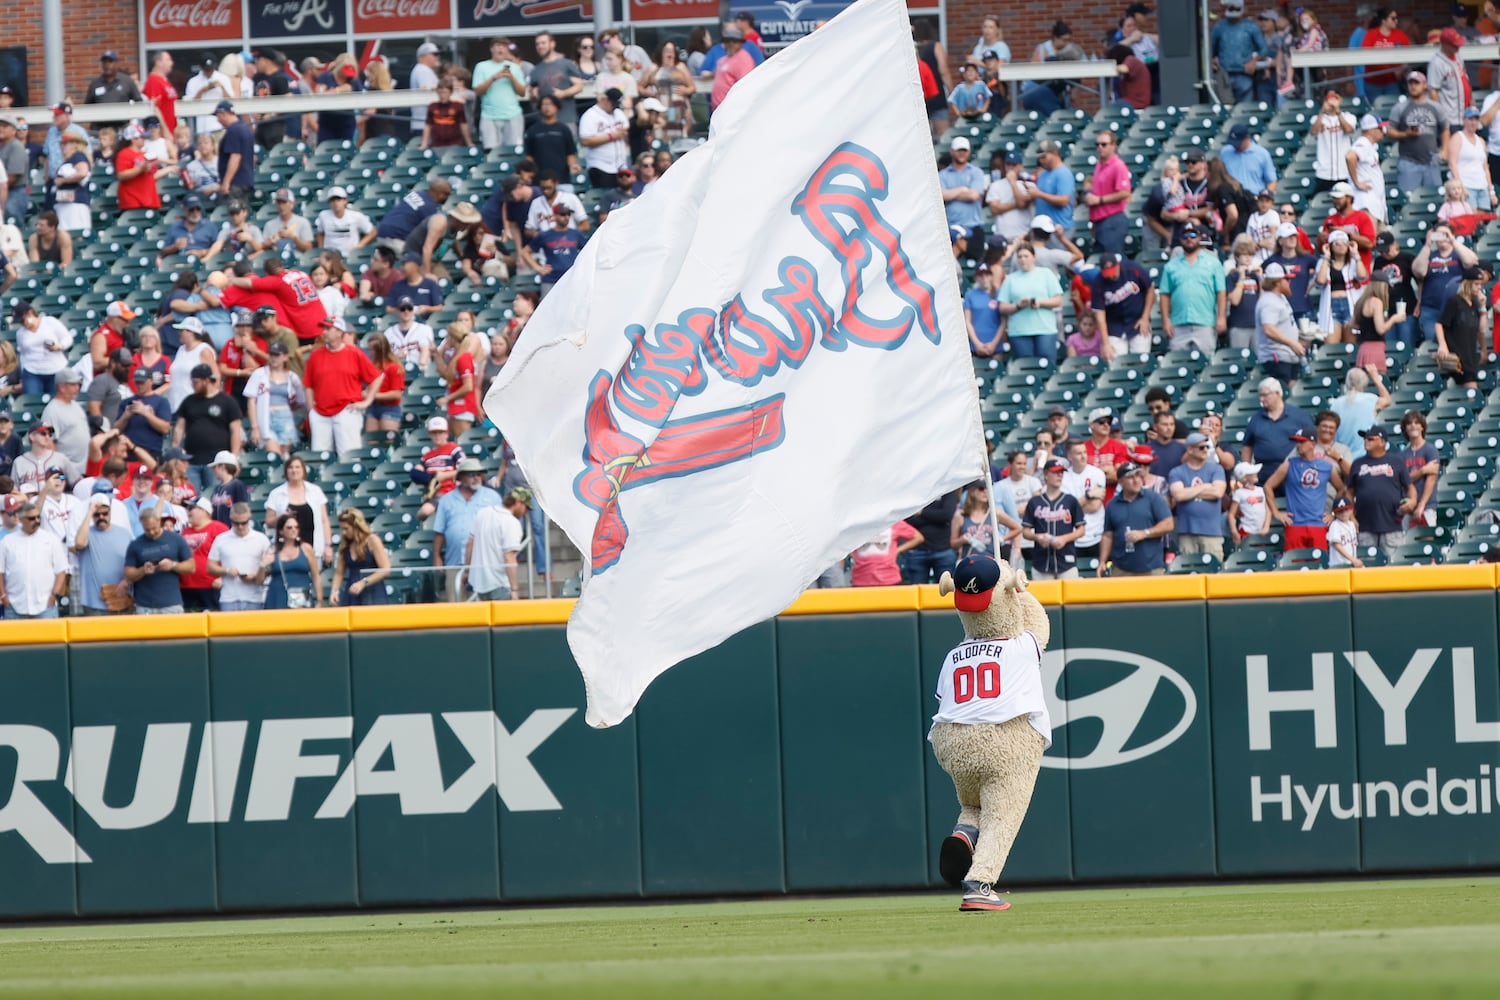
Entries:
{"x":1120,"y":706}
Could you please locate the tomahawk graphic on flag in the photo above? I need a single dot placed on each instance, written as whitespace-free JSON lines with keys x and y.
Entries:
{"x":754,"y":368}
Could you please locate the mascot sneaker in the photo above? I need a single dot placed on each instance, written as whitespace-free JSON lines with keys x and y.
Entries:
{"x":956,"y":854}
{"x":981,"y":896}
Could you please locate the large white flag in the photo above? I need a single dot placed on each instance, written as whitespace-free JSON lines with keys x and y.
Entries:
{"x":756,"y":367}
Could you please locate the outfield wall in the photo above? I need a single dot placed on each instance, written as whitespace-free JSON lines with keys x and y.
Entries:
{"x":1266,"y":724}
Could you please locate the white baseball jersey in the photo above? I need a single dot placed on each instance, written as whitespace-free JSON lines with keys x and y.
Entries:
{"x":1090,"y":480}
{"x":988,"y":681}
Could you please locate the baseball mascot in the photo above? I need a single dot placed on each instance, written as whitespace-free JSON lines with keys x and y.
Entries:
{"x":991,"y":726}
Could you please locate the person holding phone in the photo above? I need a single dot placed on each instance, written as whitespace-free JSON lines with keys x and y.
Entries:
{"x":1030,"y":298}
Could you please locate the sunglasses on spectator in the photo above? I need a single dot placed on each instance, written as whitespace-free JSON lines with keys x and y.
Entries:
{"x":240,"y":524}
{"x":33,"y":519}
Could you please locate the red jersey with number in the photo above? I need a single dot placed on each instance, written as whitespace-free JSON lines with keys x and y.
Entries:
{"x":297,"y":298}
{"x":337,"y":379}
{"x":989,"y":681}
{"x":467,"y":405}
{"x":443,"y":458}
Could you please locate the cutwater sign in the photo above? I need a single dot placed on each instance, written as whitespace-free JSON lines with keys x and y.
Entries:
{"x":785,"y":21}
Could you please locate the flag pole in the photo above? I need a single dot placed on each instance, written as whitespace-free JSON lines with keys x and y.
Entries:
{"x":984,"y":453}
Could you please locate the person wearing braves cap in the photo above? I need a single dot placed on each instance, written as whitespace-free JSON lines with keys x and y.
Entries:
{"x":236,"y":154}
{"x":1193,"y":295}
{"x":1343,"y":536}
{"x":340,"y":382}
{"x":991,"y":726}
{"x":604,"y":131}
{"x":110,"y":336}
{"x":551,"y":252}
{"x":1236,"y":45}
{"x":136,"y":171}
{"x":1053,"y":521}
{"x":111,"y":86}
{"x":1122,"y":295}
{"x":1136,"y":524}
{"x":211,"y":85}
{"x":963,"y":185}
{"x":1362,"y":161}
{"x":1009,"y":198}
{"x":1382,"y":491}
{"x":1304,"y":477}
{"x":190,"y":234}
{"x":1197,"y":488}
{"x":1420,"y":126}
{"x":207,"y":423}
{"x":1278,"y":343}
{"x":1459,"y":330}
{"x":1447,"y":78}
{"x":1334,"y":128}
{"x":288,"y":231}
{"x":342,"y":228}
{"x":1356,"y":225}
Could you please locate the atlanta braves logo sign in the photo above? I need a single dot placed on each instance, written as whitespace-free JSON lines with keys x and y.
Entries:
{"x":738,"y":344}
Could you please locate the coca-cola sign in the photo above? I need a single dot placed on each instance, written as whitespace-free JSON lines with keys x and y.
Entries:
{"x":192,"y":20}
{"x":297,"y":18}
{"x":374,"y":17}
{"x":674,"y":10}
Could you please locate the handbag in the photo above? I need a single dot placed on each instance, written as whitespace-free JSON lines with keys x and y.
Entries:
{"x":296,"y":597}
{"x":116,"y":597}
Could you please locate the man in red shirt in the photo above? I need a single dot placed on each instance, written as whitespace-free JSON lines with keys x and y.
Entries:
{"x":1354,"y":221}
{"x":438,"y":470}
{"x":297,"y":302}
{"x":110,"y":336}
{"x":158,"y":90}
{"x":340,"y":381}
{"x":135,"y":172}
{"x":1105,"y":453}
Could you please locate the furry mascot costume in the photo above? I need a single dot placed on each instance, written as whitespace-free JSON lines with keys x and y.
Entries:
{"x":991,"y":726}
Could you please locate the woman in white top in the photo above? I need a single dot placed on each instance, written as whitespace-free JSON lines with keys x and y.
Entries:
{"x":273,"y":396}
{"x":329,"y":293}
{"x":196,"y":350}
{"x":42,"y":343}
{"x":1469,"y":163}
{"x":306,"y":502}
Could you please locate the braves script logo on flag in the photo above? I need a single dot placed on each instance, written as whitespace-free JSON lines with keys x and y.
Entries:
{"x":839,"y":208}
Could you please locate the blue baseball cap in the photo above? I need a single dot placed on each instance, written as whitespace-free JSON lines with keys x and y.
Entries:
{"x":974,"y":580}
{"x":957,"y":232}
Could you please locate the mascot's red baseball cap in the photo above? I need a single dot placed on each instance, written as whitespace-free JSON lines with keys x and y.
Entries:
{"x":974,"y":580}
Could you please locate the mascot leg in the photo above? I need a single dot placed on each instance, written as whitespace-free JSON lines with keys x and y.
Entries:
{"x":959,"y":750}
{"x":1015,"y":756}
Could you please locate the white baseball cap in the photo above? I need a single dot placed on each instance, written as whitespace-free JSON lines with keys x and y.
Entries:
{"x":1286,"y":229}
{"x":1273,"y":271}
{"x":1342,"y":190}
{"x":1100,"y":413}
{"x":336,"y":192}
{"x":1244,"y":469}
{"x":437,"y":423}
{"x":204,"y":503}
{"x":1044,"y":223}
{"x":226,"y":458}
{"x":427,"y":49}
{"x":960,"y":143}
{"x":1338,"y":236}
{"x":1368,"y":122}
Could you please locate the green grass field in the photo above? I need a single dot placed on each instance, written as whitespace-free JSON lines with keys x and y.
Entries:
{"x":1413,"y":938}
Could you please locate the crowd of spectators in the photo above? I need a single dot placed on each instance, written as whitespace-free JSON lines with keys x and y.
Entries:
{"x":122,"y":448}
{"x":1226,"y":259}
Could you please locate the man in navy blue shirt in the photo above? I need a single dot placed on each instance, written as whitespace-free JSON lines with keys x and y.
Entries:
{"x":1136,"y":523}
{"x":1268,"y":436}
{"x":408,"y":213}
{"x":425,"y":294}
{"x":558,"y":246}
{"x":1121,"y":294}
{"x":236,"y":155}
{"x":145,"y":418}
{"x":154,"y":561}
